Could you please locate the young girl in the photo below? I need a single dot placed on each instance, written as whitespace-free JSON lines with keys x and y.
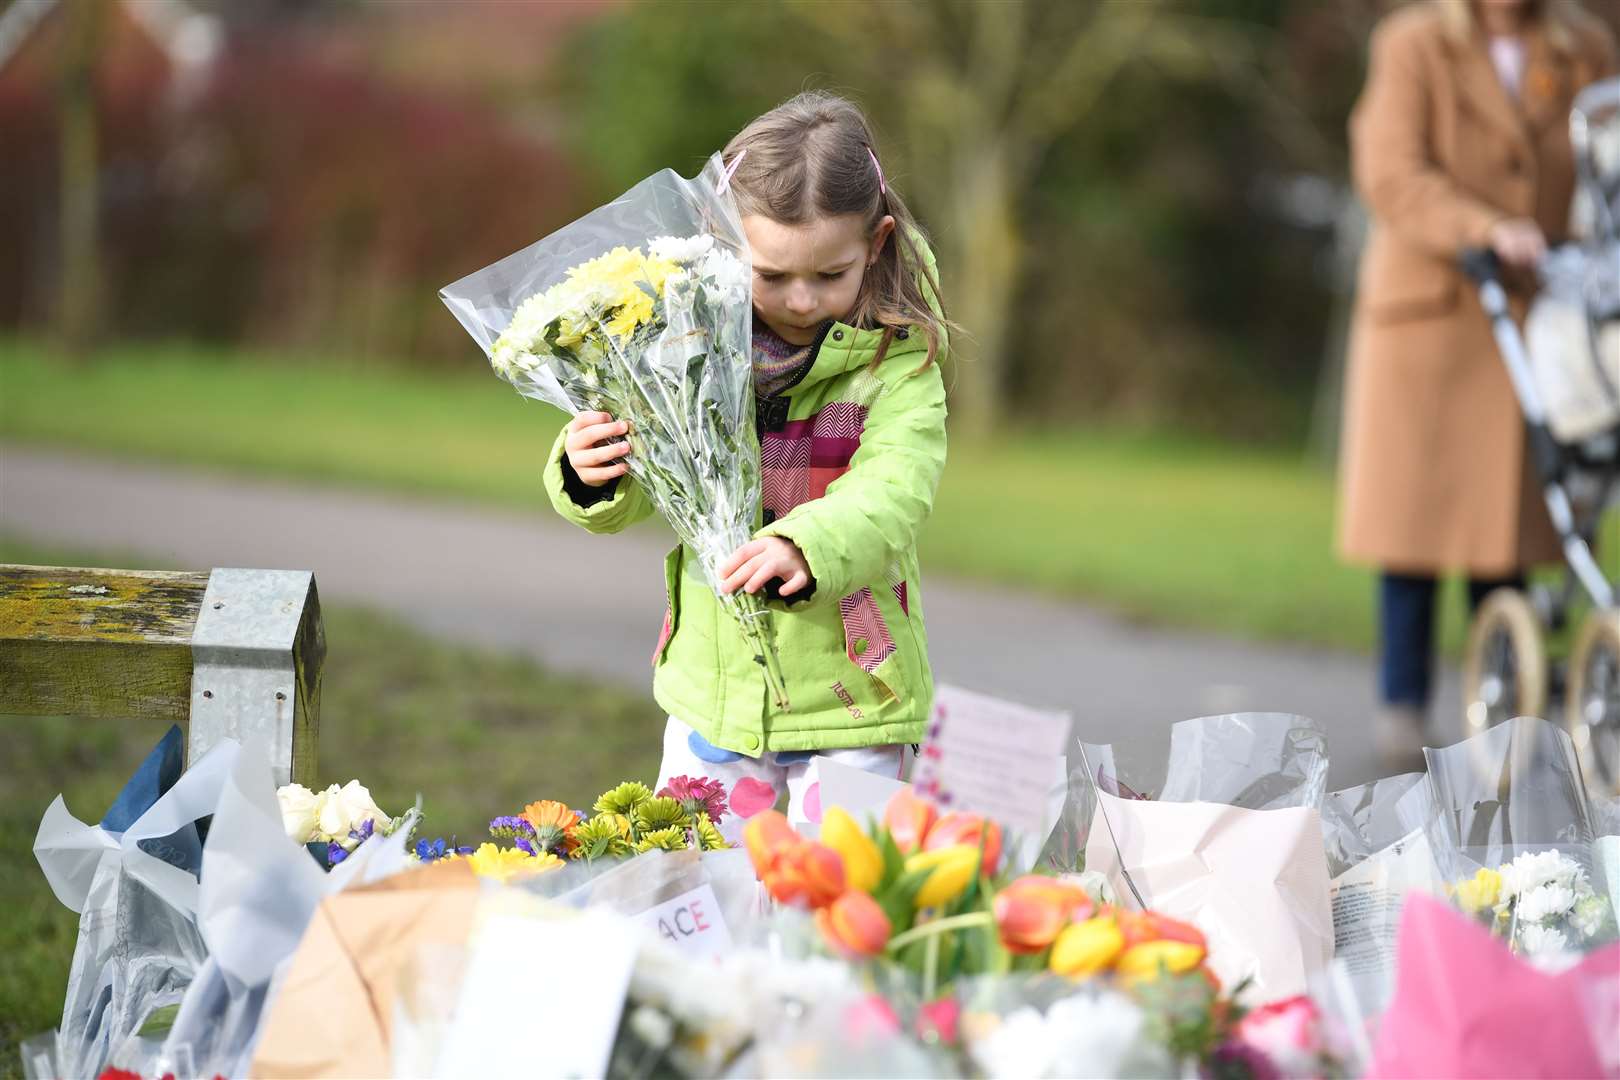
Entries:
{"x":850,"y":411}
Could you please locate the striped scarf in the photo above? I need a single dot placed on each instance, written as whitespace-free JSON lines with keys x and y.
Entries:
{"x":775,"y":361}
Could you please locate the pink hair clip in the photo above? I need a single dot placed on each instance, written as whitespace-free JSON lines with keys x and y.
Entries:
{"x":725,"y":174}
{"x":883,"y":188}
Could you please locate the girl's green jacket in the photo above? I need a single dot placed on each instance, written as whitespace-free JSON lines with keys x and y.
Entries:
{"x":851,"y":456}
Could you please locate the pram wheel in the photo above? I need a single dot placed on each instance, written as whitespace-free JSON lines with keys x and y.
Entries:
{"x":1505,"y":667}
{"x":1592,"y":705}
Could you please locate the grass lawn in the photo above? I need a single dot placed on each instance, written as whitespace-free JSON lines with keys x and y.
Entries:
{"x":475,"y":733}
{"x":1157,"y":528}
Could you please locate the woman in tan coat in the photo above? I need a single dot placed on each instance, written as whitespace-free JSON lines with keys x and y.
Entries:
{"x":1460,"y":140}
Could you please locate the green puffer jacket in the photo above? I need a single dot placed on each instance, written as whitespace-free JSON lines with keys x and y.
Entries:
{"x":851,"y":458}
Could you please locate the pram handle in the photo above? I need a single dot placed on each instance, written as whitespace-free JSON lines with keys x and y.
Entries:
{"x":1482,"y":264}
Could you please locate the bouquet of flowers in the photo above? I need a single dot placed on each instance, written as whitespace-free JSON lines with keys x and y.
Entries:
{"x":1540,"y":901}
{"x":628,"y":820}
{"x":652,"y":328}
{"x":920,"y":891}
{"x":333,"y":822}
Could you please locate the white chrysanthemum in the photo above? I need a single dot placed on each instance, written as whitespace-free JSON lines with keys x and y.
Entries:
{"x":1591,"y":912}
{"x":1080,"y":1036}
{"x":724,"y":276}
{"x":1541,"y":941}
{"x":528,"y":326}
{"x":1021,"y":1046}
{"x":1545,"y":902}
{"x":1533,"y":869}
{"x":681,"y":249}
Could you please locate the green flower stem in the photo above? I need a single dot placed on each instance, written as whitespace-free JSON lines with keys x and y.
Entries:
{"x":940,"y":926}
{"x":931,"y":967}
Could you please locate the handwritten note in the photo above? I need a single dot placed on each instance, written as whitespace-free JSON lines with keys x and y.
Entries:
{"x":691,"y":922}
{"x":995,"y":758}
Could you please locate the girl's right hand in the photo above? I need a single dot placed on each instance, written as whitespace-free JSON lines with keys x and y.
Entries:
{"x":593,"y":444}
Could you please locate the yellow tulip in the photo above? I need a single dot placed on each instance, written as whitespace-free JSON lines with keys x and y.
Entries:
{"x":1085,"y":948}
{"x":950,"y":871}
{"x":863,"y":862}
{"x":1149,"y":960}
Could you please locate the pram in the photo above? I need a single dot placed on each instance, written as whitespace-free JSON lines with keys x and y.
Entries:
{"x":1565,"y":368}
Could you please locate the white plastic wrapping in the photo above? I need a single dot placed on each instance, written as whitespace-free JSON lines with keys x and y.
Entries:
{"x":136,"y":893}
{"x":1377,"y":858}
{"x":258,"y":891}
{"x":1245,"y":862}
{"x":657,"y":334}
{"x":1514,"y":795}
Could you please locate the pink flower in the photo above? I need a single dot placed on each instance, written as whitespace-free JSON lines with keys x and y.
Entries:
{"x":939,"y":1017}
{"x":698,"y":795}
{"x":872,"y":1017}
{"x":1289,"y":1033}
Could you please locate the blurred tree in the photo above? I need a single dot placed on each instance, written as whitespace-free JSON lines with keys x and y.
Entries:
{"x":986,"y":90}
{"x":78,"y":311}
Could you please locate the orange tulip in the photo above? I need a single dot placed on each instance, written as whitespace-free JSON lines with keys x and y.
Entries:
{"x":909,"y":819}
{"x":958,"y":828}
{"x":1141,"y":927}
{"x":1032,"y":910}
{"x":854,"y":925}
{"x":767,"y":832}
{"x":805,"y":874}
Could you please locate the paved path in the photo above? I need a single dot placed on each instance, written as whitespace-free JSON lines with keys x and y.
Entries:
{"x":528,"y":582}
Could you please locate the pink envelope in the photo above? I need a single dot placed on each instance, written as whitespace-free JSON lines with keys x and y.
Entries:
{"x":1465,"y":1006}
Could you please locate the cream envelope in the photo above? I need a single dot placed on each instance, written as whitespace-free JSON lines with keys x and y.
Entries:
{"x":335,"y":1010}
{"x":1254,"y":881}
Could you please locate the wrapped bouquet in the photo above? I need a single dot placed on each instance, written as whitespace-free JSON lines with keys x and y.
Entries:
{"x":642,"y":309}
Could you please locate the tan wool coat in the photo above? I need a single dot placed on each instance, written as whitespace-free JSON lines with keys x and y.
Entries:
{"x":1434,"y":475}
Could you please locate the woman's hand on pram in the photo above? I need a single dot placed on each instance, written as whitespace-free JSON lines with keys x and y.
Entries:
{"x":1517,"y":241}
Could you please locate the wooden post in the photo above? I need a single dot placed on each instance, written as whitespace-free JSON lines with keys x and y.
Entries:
{"x":152,"y":645}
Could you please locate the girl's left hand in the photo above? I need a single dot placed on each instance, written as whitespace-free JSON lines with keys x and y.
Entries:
{"x":758,"y":561}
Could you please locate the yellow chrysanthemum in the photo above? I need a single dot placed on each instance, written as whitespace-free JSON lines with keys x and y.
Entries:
{"x":709,"y":838}
{"x":1479,"y":892}
{"x":503,"y":864}
{"x":623,"y":281}
{"x":633,"y":309}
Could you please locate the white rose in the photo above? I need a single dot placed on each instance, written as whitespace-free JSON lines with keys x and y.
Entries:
{"x":358,"y":806}
{"x":300,"y":807}
{"x":330,"y":820}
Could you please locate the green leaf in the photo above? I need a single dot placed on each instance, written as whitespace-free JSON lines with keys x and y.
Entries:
{"x":894,"y":864}
{"x":158,"y":1022}
{"x":899,"y":900}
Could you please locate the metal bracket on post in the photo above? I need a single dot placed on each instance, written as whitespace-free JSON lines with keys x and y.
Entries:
{"x":256,"y":655}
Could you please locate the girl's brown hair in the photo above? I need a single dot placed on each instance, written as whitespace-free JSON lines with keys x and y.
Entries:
{"x":813,"y":156}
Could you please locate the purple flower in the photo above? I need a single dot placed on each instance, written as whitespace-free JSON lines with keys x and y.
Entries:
{"x":523,"y":845}
{"x":1237,"y":1060}
{"x":433,"y":850}
{"x":508,"y":827}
